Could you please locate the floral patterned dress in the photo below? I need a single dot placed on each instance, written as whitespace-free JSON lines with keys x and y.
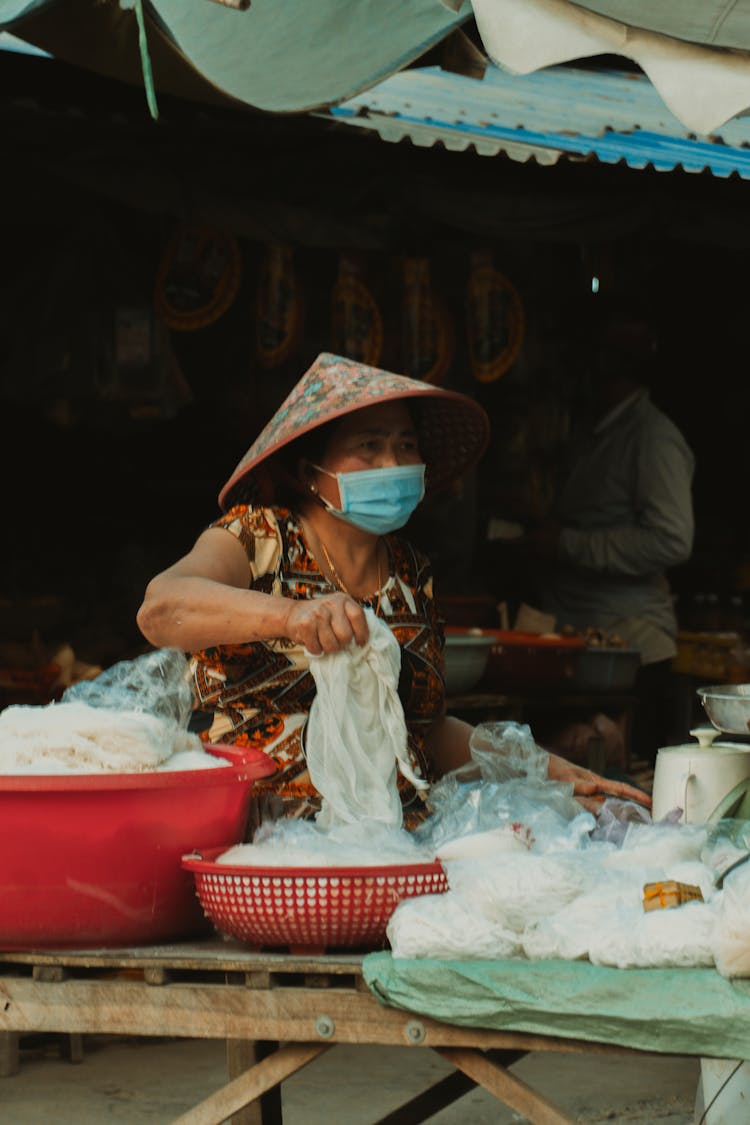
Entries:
{"x":259,"y":694}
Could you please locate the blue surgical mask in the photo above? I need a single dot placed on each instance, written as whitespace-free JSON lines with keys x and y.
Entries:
{"x":378,"y":500}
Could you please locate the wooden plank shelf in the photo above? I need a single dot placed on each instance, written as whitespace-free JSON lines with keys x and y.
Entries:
{"x":277,"y":1012}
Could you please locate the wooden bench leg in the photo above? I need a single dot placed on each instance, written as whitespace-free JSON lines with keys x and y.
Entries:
{"x":241,"y":1055}
{"x":253,"y":1084}
{"x":506,"y":1087}
{"x":10,"y":1062}
{"x":443,"y":1093}
{"x":72,"y":1047}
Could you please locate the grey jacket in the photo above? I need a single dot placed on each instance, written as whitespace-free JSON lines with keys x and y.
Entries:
{"x":627,"y":516}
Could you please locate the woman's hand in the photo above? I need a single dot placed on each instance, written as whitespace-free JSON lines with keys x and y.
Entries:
{"x":327,"y":624}
{"x":590,"y":788}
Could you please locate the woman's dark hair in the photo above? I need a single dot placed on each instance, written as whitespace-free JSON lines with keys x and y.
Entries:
{"x":284,"y":465}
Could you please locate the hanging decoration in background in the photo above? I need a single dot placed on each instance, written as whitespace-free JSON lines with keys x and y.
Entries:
{"x":147,"y":376}
{"x":428,"y":338}
{"x":495,"y":319}
{"x":279,"y":307}
{"x":198,"y":277}
{"x":357,"y":323}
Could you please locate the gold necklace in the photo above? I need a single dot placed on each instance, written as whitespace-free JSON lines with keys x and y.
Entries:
{"x":340,"y":582}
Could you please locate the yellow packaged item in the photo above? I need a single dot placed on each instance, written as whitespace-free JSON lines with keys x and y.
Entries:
{"x":657,"y":896}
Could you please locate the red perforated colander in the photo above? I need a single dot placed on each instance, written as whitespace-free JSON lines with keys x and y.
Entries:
{"x":307,"y":908}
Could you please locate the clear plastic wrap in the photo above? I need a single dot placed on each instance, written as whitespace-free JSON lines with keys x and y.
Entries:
{"x":515,"y":891}
{"x":501,"y":751}
{"x":615,"y":817}
{"x":569,"y":896}
{"x":303,"y":843}
{"x":727,"y":842}
{"x":608,"y":923}
{"x":504,"y":783}
{"x":132,"y":718}
{"x":674,"y":938}
{"x":155,"y":683}
{"x":664,"y":844}
{"x":566,"y":933}
{"x":449,"y":927}
{"x":731,"y":939}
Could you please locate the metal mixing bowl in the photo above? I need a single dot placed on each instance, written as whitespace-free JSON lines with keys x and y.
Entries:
{"x":727,"y":706}
{"x":467,"y":652}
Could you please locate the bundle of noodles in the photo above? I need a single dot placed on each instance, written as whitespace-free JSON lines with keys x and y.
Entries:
{"x":76,"y":738}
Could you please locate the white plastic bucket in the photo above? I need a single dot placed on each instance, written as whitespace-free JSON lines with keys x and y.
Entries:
{"x":723,"y":1096}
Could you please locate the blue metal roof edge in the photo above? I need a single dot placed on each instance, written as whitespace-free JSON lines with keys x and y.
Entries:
{"x":436,"y":101}
{"x":638,"y":150}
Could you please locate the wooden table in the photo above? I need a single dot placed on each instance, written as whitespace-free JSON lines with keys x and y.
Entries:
{"x":277,"y":1013}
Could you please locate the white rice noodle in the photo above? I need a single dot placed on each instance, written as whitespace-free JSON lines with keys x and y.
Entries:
{"x":63,"y":738}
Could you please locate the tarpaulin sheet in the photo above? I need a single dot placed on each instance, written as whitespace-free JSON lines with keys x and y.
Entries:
{"x":670,"y":1011}
{"x":282,"y":56}
{"x":680,"y":44}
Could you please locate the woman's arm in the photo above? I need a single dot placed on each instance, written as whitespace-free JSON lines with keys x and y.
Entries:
{"x":204,"y":600}
{"x":447,"y":744}
{"x":589,"y":787}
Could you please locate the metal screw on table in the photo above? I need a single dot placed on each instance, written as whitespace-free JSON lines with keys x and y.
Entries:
{"x":325,"y":1027}
{"x":415,"y":1032}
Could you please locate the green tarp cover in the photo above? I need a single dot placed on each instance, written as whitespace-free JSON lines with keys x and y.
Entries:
{"x":292,"y":55}
{"x":671,"y":1011}
{"x":284,"y":56}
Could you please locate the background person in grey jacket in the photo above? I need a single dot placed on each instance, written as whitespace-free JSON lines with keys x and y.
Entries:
{"x":623,"y":518}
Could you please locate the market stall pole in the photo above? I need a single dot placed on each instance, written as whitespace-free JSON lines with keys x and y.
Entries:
{"x":221,"y":990}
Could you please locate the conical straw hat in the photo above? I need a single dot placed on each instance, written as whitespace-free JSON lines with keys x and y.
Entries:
{"x":453,"y":428}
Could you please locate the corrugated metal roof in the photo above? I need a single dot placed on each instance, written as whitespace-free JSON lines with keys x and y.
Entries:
{"x":561,"y":111}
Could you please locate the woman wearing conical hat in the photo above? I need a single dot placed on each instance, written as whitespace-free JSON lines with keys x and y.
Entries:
{"x":308,"y":539}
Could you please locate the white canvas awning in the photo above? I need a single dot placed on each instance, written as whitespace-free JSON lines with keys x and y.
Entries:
{"x":695,"y":52}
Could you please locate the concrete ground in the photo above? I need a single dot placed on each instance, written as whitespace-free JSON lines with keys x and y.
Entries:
{"x":127,"y":1081}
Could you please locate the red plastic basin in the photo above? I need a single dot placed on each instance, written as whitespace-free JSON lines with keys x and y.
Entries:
{"x":528,"y":663}
{"x":95,"y":860}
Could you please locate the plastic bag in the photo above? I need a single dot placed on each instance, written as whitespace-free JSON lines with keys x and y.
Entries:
{"x":302,"y":843}
{"x":356,"y":732}
{"x":665,"y":845}
{"x":505,"y":750}
{"x":133,"y":717}
{"x":514,"y":837}
{"x":608,"y":924}
{"x":731,"y":942}
{"x":155,"y":683}
{"x":677,"y":937}
{"x":515,"y":891}
{"x":614,"y":818}
{"x":566,"y":933}
{"x":504,"y":783}
{"x":728,"y":841}
{"x":447,"y":926}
